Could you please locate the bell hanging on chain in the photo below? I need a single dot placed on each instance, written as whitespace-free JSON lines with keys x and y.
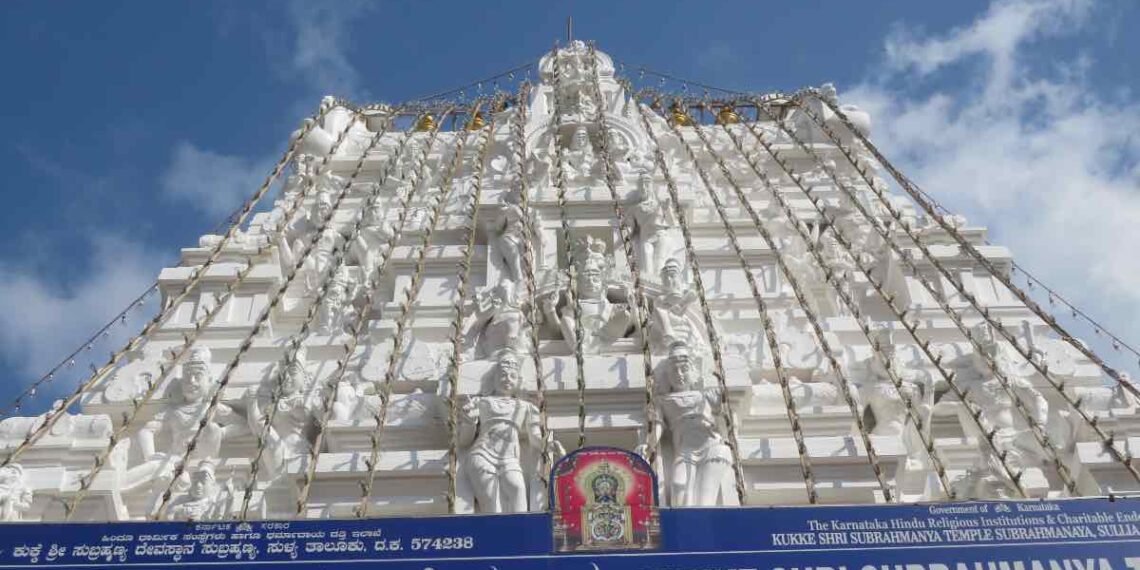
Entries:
{"x":426,"y":123}
{"x":477,"y":122}
{"x":678,"y":116}
{"x":727,"y":116}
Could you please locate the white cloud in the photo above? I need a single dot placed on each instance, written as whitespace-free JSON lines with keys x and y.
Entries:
{"x":1035,"y":154}
{"x":214,"y":183}
{"x":40,"y":322}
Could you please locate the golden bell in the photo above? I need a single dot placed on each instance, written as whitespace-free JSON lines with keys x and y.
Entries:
{"x":679,"y":117}
{"x":727,"y":116}
{"x":426,"y":123}
{"x":476,"y":122}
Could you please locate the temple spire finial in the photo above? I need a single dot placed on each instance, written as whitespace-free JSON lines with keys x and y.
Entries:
{"x":569,"y":29}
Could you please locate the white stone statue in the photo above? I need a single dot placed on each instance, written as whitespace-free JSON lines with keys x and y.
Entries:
{"x":204,"y":500}
{"x":288,"y":441}
{"x":579,"y":159}
{"x":509,"y":235}
{"x":498,"y":323}
{"x":502,"y":441}
{"x":887,"y":404}
{"x":15,"y":496}
{"x":163,"y":440}
{"x":655,"y":228}
{"x":701,"y":470}
{"x":337,"y":312}
{"x":602,"y":320}
{"x":673,"y":316}
{"x":1013,"y":434}
{"x":371,"y":241}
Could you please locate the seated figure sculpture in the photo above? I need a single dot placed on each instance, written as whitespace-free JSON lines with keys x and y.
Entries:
{"x":602,"y":321}
{"x":701,"y":470}
{"x":205,"y":499}
{"x":176,"y":424}
{"x":15,"y":496}
{"x":502,"y":439}
{"x":579,"y":159}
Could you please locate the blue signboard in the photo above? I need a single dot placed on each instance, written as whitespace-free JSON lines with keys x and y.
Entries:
{"x":1078,"y":534}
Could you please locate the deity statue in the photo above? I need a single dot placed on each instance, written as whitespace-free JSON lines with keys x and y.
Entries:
{"x":368,"y":247}
{"x":997,"y":403}
{"x":602,"y":321}
{"x":205,"y":500}
{"x":887,"y":404}
{"x":985,"y":480}
{"x":673,"y":320}
{"x":337,"y":312}
{"x":701,"y":471}
{"x":510,"y":231}
{"x":288,"y":443}
{"x":579,"y":159}
{"x":175,"y":425}
{"x":501,"y":433}
{"x":499,"y":322}
{"x":15,"y":496}
{"x":654,"y":227}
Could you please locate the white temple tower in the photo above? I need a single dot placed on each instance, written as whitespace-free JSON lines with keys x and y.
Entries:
{"x":444,"y":297}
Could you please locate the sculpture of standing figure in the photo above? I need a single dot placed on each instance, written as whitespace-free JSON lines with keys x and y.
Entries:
{"x":510,"y":231}
{"x":701,"y":471}
{"x":672,"y":321}
{"x":15,"y":496}
{"x":298,"y":408}
{"x":495,"y":428}
{"x":337,"y":312}
{"x":372,"y":239}
{"x":654,"y":226}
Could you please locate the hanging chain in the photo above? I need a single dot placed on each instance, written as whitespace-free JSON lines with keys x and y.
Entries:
{"x":612,"y":176}
{"x":821,"y":338}
{"x":834,"y":280}
{"x":373,"y":286}
{"x":714,"y":337}
{"x":297,"y":341}
{"x":384,"y":390}
{"x":966,"y":246}
{"x":463,"y":276}
{"x":1036,"y":428}
{"x":568,"y":248}
{"x":247,"y":343}
{"x":518,"y":136}
{"x":1107,"y":439}
{"x":59,"y":410}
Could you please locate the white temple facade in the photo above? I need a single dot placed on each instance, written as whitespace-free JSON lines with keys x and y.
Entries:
{"x":431,"y":313}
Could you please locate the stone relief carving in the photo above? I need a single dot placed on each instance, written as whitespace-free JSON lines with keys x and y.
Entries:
{"x":700,"y":471}
{"x":579,"y":160}
{"x":603,"y":320}
{"x":499,"y":433}
{"x":15,"y":495}
{"x":1012,"y":434}
{"x":288,"y":441}
{"x":886,"y":404}
{"x":676,"y":316}
{"x":655,"y":229}
{"x":337,"y":313}
{"x":498,"y":323}
{"x":204,"y":500}
{"x":509,"y":231}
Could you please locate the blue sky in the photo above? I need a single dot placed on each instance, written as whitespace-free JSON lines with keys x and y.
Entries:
{"x":132,"y":127}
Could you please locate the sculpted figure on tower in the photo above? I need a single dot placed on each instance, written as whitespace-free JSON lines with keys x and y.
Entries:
{"x":510,"y":231}
{"x":15,"y":496}
{"x":298,"y":408}
{"x":655,"y":228}
{"x":673,"y":321}
{"x":499,"y":323}
{"x":205,"y":499}
{"x":887,"y":404}
{"x":701,"y":470}
{"x":579,"y":160}
{"x":603,"y":321}
{"x":503,"y":441}
{"x":1012,"y":433}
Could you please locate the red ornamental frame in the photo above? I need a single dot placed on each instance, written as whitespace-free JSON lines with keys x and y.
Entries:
{"x":604,"y":498}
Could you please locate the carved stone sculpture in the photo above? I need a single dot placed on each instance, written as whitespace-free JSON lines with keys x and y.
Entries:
{"x":298,"y":407}
{"x":673,"y":317}
{"x":510,"y":233}
{"x":887,"y":405}
{"x":602,"y":321}
{"x":15,"y":496}
{"x":205,"y":500}
{"x":655,"y":228}
{"x":337,"y":312}
{"x":498,"y":323}
{"x":701,"y":469}
{"x":579,"y":160}
{"x":502,"y":439}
